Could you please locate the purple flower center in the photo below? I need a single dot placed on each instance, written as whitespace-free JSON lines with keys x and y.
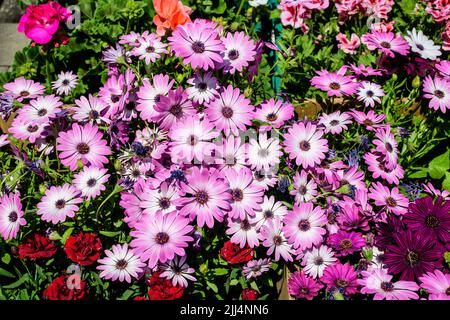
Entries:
{"x":150,"y":49}
{"x":32,"y":128}
{"x":202,"y":86}
{"x":385,"y":45}
{"x":65,"y":82}
{"x":227,"y":112}
{"x":391,"y":202}
{"x":162,"y":238}
{"x":157,"y":98}
{"x":13,"y":216}
{"x":202,"y":197}
{"x":318,"y":261}
{"x":245,"y":225}
{"x":83,"y":148}
{"x":24,"y":93}
{"x":121,"y":264}
{"x":192,"y":140}
{"x":164,"y":203}
{"x":341,"y":283}
{"x":277,"y":240}
{"x":42,"y":112}
{"x":91,"y":182}
{"x":61,"y":203}
{"x":268,"y":214}
{"x":334,"y":122}
{"x":304,"y":145}
{"x":335,"y":86}
{"x":387,"y":286}
{"x":271,"y":117}
{"x":176,"y":111}
{"x":412,"y":258}
{"x":302,"y":190}
{"x":233,"y":54}
{"x":237,"y":195}
{"x":304,"y":225}
{"x":93,"y":114}
{"x":432,"y":221}
{"x":345,"y":244}
{"x":115,"y":98}
{"x":369,"y":93}
{"x":439,"y":94}
{"x":256,"y":268}
{"x":368,"y":122}
{"x":420,"y":47}
{"x":388,"y":147}
{"x":198,"y":47}
{"x":447,"y":292}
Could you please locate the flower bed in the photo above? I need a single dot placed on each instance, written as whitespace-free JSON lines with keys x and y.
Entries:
{"x":223,"y":149}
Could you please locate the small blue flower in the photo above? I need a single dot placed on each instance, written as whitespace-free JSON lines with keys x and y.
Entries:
{"x":283,"y":184}
{"x":353,"y":158}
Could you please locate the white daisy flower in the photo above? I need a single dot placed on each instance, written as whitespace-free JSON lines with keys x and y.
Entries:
{"x":177,"y":270}
{"x":316,"y":260}
{"x":422,"y":45}
{"x":65,"y":83}
{"x":91,"y":181}
{"x":204,"y":87}
{"x":369,"y":93}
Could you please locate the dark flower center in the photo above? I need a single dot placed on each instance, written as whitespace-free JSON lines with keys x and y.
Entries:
{"x":192,"y":140}
{"x":268,"y":214}
{"x":304,"y":145}
{"x":391,"y":202}
{"x":341,"y":283}
{"x":24,"y":93}
{"x":202,"y":86}
{"x":387,"y":286}
{"x":65,"y":82}
{"x":318,"y":261}
{"x":237,"y":195}
{"x":271,"y":117}
{"x":83,"y":148}
{"x":61,"y":203}
{"x":176,"y":111}
{"x":198,"y":47}
{"x":420,"y":47}
{"x":162,"y":238}
{"x":304,"y":225}
{"x":230,"y":159}
{"x":304,"y":290}
{"x":385,"y":45}
{"x":245,"y":225}
{"x":115,"y":98}
{"x":302,"y":190}
{"x":93,"y":114}
{"x":277,"y":240}
{"x":334,"y":122}
{"x":233,"y":54}
{"x":32,"y":128}
{"x":202,"y":197}
{"x":263,"y":153}
{"x":136,"y":173}
{"x":439,"y":94}
{"x":227,"y":112}
{"x":91,"y":182}
{"x":157,"y":98}
{"x":121,"y":264}
{"x":150,"y":49}
{"x":412,"y":258}
{"x":164,"y":203}
{"x":346,"y":244}
{"x":256,"y":268}
{"x":335,"y":86}
{"x":432,"y":221}
{"x":369,"y":93}
{"x":42,"y":112}
{"x":447,"y":292}
{"x":388,"y":147}
{"x":13,"y":216}
{"x":368,"y":122}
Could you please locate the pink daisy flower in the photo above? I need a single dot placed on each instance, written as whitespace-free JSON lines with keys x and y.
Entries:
{"x":65,"y":83}
{"x":341,"y":276}
{"x":438,"y":90}
{"x":301,"y":286}
{"x":377,"y":166}
{"x":4,"y":140}
{"x":246,"y":197}
{"x":149,"y":48}
{"x":239,"y":51}
{"x":92,"y":110}
{"x":42,"y":109}
{"x":114,"y":93}
{"x":437,"y":285}
{"x":204,"y":87}
{"x":316,"y":260}
{"x":369,"y":93}
{"x":11,"y":215}
{"x":191,"y":138}
{"x":387,"y":145}
{"x":178,"y":271}
{"x":392,"y":200}
{"x":377,"y":281}
{"x":304,"y":143}
{"x":335,"y":83}
{"x":366,"y":71}
{"x":230,"y":154}
{"x":24,"y":89}
{"x":305,"y":189}
{"x":243,"y":232}
{"x":269,"y":210}
{"x":387,"y":42}
{"x":159,"y":237}
{"x":150,"y":94}
{"x":83,"y":143}
{"x":198,"y":43}
{"x":173,"y":108}
{"x":26,"y":130}
{"x":335,"y":122}
{"x":132,"y":201}
{"x":346,"y":243}
{"x":207,"y":197}
{"x":275,"y":113}
{"x":231,"y":111}
{"x":444,"y":68}
{"x":58,"y":203}
{"x":131,"y":39}
{"x":91,"y":181}
{"x":274,"y":239}
{"x":264,"y":153}
{"x":160,"y":199}
{"x":120,"y":264}
{"x":304,"y":226}
{"x":370,"y":120}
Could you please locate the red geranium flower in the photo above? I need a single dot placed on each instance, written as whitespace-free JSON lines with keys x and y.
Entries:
{"x":84,"y":248}
{"x":249,"y":294}
{"x":233,"y":253}
{"x":37,"y":247}
{"x":163,"y":289}
{"x":66,"y":288}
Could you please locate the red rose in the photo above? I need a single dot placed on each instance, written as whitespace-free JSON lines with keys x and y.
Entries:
{"x":233,"y":253}
{"x":163,"y":289}
{"x":66,"y":288}
{"x":84,"y":248}
{"x":36,"y":247}
{"x":139,"y":298}
{"x":249,"y":294}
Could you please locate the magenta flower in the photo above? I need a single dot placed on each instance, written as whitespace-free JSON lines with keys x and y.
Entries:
{"x":392,"y":200}
{"x":207,"y":197}
{"x":173,"y":108}
{"x":149,"y":48}
{"x":92,"y":110}
{"x":274,"y":239}
{"x":83,"y":143}
{"x":204,"y":87}
{"x":438,"y":90}
{"x":150,"y":94}
{"x":239,"y":51}
{"x":305,"y":189}
{"x":198,"y":43}
{"x":159,"y":237}
{"x":335,"y":122}
{"x":370,"y":120}
{"x":335,"y":83}
{"x":42,"y":109}
{"x":26,"y":130}
{"x":346,"y":243}
{"x":350,"y":217}
{"x":387,"y":145}
{"x":11,"y":215}
{"x":304,"y":143}
{"x":133,"y":200}
{"x":24,"y":89}
{"x":387,"y":42}
{"x":301,"y":286}
{"x":377,"y":165}
{"x":243,"y":232}
{"x":341,"y":276}
{"x":230,"y":111}
{"x":437,"y":285}
{"x":275,"y":113}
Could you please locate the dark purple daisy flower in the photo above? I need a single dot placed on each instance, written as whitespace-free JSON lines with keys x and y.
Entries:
{"x":412,"y":255}
{"x":386,"y":230}
{"x":118,"y":131}
{"x":430,"y":219}
{"x":346,"y":243}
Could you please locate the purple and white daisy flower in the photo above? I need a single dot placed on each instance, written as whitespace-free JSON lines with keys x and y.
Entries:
{"x":91,"y":181}
{"x":65,"y":83}
{"x":178,"y":271}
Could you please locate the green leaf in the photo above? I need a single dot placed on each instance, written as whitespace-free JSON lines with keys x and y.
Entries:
{"x":212,"y":286}
{"x":6,"y":273}
{"x":234,"y":282}
{"x":439,"y":165}
{"x":446,"y":183}
{"x":419,"y":174}
{"x":66,"y":235}
{"x":18,"y":283}
{"x":6,"y":258}
{"x":110,"y":234}
{"x":220,"y":271}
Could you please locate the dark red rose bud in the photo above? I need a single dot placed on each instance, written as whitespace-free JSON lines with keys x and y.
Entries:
{"x":249,"y":294}
{"x":234,"y":254}
{"x":37,"y":246}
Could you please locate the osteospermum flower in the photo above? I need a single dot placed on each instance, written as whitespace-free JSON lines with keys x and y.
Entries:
{"x":305,"y":189}
{"x":387,"y":42}
{"x":379,"y":282}
{"x":341,"y":276}
{"x":239,"y":51}
{"x":370,"y":120}
{"x":369,"y":93}
{"x":159,"y":237}
{"x":275,"y":113}
{"x":58,"y":203}
{"x":335,"y":122}
{"x":304,"y":226}
{"x":207,"y":197}
{"x":246,"y":197}
{"x":230,"y":111}
{"x":255,"y":268}
{"x":83,"y":143}
{"x":41,"y":110}
{"x":264,"y":153}
{"x":178,"y":271}
{"x":191,"y":138}
{"x":437,"y":285}
{"x":91,"y":181}
{"x":90,"y":110}
{"x":149,"y":48}
{"x":160,"y":199}
{"x":24,"y":89}
{"x":304,"y":143}
{"x":230,"y":154}
{"x":422,"y":45}
{"x":198,"y":43}
{"x":274,"y":239}
{"x":243,"y":232}
{"x":392,"y":200}
{"x":269,"y":210}
{"x":65,"y":83}
{"x":301,"y":286}
{"x":387,"y":145}
{"x":11,"y":215}
{"x":150,"y":94}
{"x":346,"y":243}
{"x":438,"y":90}
{"x":173,"y":108}
{"x":26,"y":130}
{"x":203,"y":87}
{"x":120,"y":264}
{"x":334,"y":83}
{"x":316,"y":260}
